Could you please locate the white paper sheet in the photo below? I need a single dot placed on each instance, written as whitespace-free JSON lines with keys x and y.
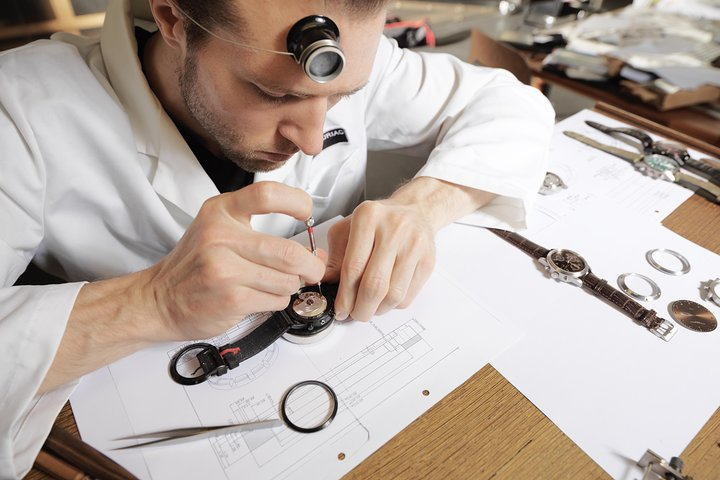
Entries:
{"x":613,"y":387}
{"x":378,"y":370}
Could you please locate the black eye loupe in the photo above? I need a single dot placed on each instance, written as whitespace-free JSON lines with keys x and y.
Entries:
{"x":313,"y":41}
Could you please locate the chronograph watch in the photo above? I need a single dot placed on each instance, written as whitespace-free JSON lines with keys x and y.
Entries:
{"x":569,"y":267}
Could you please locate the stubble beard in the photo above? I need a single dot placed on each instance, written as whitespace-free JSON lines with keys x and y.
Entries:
{"x":225,"y":137}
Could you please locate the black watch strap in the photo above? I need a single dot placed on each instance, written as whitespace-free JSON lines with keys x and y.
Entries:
{"x":217,"y":361}
{"x":704,"y":169}
{"x":256,"y":341}
{"x":531,"y":248}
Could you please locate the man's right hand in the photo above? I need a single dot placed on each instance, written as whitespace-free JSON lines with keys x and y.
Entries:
{"x":221,"y":270}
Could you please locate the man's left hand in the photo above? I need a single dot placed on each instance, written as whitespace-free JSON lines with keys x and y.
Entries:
{"x":382,"y":255}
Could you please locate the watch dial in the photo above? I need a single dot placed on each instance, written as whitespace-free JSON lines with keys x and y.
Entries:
{"x":568,"y":261}
{"x":661,"y":163}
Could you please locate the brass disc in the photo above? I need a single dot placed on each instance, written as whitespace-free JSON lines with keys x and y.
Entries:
{"x":309,"y":304}
{"x":693,"y":316}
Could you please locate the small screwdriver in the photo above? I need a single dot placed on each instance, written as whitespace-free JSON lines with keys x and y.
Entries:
{"x":309,"y":223}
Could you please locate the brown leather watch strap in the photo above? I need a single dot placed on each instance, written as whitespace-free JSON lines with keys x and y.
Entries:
{"x":647,"y":318}
{"x":531,"y":248}
{"x":598,"y":286}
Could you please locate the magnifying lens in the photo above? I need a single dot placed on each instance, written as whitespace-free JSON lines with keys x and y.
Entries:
{"x":314,"y":43}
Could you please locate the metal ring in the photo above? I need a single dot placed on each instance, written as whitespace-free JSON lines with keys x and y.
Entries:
{"x":182,"y":380}
{"x":317,"y":428}
{"x":651,"y":260}
{"x":654,"y":295}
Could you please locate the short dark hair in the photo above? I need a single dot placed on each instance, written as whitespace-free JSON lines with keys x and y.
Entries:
{"x":213,"y":14}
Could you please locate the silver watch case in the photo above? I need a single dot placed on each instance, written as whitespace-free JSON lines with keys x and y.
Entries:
{"x":712,"y":291}
{"x":557,"y":262}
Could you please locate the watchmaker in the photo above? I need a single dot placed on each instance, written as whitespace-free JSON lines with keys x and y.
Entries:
{"x":160,"y":170}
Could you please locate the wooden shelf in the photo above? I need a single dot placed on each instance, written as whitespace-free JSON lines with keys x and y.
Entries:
{"x":64,"y":19}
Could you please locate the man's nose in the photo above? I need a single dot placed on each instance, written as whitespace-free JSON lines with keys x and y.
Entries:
{"x":303,"y":126}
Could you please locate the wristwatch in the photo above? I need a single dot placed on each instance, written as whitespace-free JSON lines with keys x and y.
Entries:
{"x":656,"y":166}
{"x":669,"y":149}
{"x":308,"y":317}
{"x":568,"y":266}
{"x":551,"y":184}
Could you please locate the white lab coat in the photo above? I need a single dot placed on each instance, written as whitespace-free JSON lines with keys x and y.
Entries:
{"x":96,"y":182}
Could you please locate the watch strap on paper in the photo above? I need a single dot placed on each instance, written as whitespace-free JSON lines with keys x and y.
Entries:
{"x":712,"y":189}
{"x":703,"y":168}
{"x":647,"y":318}
{"x":256,"y":341}
{"x":531,"y":248}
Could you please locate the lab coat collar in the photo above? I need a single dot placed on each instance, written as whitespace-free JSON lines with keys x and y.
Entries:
{"x":179,"y":177}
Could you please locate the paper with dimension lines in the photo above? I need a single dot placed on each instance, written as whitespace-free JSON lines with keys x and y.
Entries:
{"x":379,"y":371}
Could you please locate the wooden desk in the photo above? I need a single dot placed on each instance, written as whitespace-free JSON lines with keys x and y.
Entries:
{"x":486,"y":429}
{"x":685,"y":120}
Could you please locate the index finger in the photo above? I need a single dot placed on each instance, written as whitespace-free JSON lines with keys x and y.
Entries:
{"x":269,"y":197}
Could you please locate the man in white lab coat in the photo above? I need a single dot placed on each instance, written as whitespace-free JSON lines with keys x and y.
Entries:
{"x":161,"y":173}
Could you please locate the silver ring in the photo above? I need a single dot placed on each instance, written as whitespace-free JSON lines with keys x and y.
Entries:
{"x":654,"y":295}
{"x":651,"y":260}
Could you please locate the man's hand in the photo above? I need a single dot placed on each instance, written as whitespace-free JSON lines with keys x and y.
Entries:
{"x":222,"y":270}
{"x":384,"y":252}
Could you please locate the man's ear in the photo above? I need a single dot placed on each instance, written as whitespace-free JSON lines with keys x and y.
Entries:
{"x":170,"y":22}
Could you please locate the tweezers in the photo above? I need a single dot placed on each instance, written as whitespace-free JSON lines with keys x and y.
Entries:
{"x":184,"y":435}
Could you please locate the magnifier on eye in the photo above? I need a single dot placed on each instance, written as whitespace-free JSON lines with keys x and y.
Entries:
{"x":314,"y":43}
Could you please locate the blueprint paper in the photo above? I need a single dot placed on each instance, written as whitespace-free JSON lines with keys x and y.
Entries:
{"x":610,"y":385}
{"x":379,"y":371}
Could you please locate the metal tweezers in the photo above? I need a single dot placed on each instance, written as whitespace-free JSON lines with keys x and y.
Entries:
{"x":184,"y":435}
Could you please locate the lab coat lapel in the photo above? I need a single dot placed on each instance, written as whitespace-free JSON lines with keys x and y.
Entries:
{"x":179,"y":177}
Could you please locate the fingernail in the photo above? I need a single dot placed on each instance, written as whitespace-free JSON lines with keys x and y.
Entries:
{"x":340,"y":316}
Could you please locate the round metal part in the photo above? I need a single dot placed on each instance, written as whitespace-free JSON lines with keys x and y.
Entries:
{"x":324,"y":422}
{"x":712,"y":291}
{"x":551,"y":183}
{"x":655,"y":289}
{"x":185,"y":365}
{"x":693,"y":316}
{"x":309,"y":304}
{"x":652,"y":260}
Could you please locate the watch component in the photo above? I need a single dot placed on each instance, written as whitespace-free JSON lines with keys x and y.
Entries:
{"x":286,"y":411}
{"x":552,"y":183}
{"x":309,"y":304}
{"x":655,"y":289}
{"x":712,"y":291}
{"x":657,"y":468}
{"x":308,"y":317}
{"x":673,"y":150}
{"x":652,"y":260}
{"x":693,"y":316}
{"x":568,"y":266}
{"x":656,"y":166}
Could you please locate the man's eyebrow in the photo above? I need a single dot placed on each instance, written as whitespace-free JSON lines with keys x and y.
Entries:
{"x":285,"y":91}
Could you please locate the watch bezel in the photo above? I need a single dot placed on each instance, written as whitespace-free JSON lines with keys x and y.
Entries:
{"x":557,"y":268}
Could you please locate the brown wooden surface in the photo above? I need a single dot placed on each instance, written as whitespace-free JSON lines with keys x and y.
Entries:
{"x":486,"y":429}
{"x":686,"y":120}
